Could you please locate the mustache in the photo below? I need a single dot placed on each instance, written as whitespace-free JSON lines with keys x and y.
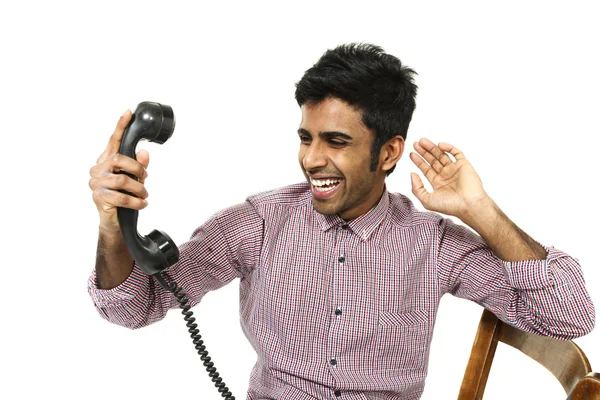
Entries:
{"x":328,"y":173}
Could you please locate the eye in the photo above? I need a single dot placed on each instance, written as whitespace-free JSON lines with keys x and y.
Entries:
{"x":304,"y":138}
{"x":337,"y":142}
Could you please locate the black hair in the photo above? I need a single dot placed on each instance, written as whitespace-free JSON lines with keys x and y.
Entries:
{"x":366,"y":77}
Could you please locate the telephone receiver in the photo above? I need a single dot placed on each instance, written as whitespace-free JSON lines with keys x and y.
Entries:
{"x":156,"y":252}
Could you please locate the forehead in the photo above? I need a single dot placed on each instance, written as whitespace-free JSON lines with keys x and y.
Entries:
{"x":331,"y":114}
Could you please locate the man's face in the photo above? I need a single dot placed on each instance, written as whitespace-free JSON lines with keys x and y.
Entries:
{"x":335,"y":156}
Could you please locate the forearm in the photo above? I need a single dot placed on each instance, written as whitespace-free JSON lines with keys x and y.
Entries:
{"x":113,"y":260}
{"x":505,"y":238}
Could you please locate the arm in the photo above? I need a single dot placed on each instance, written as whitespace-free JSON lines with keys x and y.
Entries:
{"x":216,"y":253}
{"x":225,"y":247}
{"x":542,"y":296}
{"x":537,"y":289}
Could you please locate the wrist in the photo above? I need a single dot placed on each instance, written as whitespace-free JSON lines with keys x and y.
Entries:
{"x":110,"y":237}
{"x":481,"y":213}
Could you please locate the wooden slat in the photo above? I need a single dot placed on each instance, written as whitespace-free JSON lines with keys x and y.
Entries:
{"x":482,"y":355}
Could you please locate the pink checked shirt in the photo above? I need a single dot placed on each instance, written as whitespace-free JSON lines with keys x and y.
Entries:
{"x":345,"y":310}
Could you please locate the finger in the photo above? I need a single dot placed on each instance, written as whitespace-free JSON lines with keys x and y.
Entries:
{"x":122,"y":163}
{"x":114,"y":142}
{"x":107,"y":199}
{"x":143,"y":158}
{"x":419,"y":190}
{"x":119,"y":182}
{"x":456,"y":153}
{"x":431,"y":159}
{"x":425,"y":168}
{"x":439,"y":154}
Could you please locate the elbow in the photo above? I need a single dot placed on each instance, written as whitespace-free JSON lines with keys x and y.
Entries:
{"x":127,"y":319}
{"x":588,"y":319}
{"x":582,"y":323}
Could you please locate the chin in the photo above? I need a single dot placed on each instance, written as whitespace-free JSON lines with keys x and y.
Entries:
{"x":324,"y":209}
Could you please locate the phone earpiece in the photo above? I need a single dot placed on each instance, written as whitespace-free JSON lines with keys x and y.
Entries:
{"x":155,"y":252}
{"x":150,"y":121}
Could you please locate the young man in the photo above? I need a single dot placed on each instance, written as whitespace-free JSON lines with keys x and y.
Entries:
{"x":340,"y":280}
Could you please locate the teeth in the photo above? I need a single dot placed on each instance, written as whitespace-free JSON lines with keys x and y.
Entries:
{"x":324,"y":182}
{"x":323,"y":189}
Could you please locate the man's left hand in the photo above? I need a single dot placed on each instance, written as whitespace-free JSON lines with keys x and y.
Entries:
{"x":457,"y":188}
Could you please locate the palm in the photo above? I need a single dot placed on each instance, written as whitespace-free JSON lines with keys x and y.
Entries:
{"x":455,"y":183}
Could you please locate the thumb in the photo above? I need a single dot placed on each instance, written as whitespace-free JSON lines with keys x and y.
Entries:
{"x":143,"y":157}
{"x":418,"y":189}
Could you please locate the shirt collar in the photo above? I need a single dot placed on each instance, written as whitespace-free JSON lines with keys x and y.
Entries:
{"x":364,"y":225}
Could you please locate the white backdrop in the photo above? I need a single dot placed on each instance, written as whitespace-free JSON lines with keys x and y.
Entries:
{"x":514,"y":85}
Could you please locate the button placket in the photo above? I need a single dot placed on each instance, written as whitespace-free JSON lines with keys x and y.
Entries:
{"x":337,"y":295}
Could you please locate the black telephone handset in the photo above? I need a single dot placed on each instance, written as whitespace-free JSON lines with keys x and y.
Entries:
{"x":156,"y":252}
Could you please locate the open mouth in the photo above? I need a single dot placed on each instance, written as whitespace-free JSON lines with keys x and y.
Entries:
{"x":324,"y":187}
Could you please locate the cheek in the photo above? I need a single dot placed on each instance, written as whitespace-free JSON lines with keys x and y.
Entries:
{"x":353,"y":165}
{"x":361,"y":177}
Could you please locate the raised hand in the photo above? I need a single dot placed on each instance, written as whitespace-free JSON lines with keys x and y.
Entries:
{"x":456,"y":185}
{"x":105,"y":182}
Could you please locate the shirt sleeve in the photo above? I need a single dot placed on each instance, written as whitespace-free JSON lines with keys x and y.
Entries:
{"x":225,"y":247}
{"x":545,"y":297}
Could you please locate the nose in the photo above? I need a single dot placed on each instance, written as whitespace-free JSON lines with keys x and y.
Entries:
{"x":314,"y":157}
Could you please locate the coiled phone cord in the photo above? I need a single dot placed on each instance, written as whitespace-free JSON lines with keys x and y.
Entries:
{"x":195,"y":335}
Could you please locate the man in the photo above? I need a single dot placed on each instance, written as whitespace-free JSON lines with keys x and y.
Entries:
{"x":340,"y":280}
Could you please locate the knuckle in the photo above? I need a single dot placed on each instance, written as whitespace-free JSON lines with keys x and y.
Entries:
{"x":97,"y":197}
{"x":123,"y":199}
{"x":121,"y":179}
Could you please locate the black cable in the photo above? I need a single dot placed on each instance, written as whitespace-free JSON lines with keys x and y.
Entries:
{"x":195,"y":335}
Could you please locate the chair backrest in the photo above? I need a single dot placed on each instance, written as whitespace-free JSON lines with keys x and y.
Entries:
{"x":564,"y":359}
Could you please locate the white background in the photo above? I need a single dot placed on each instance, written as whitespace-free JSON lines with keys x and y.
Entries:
{"x":514,"y":85}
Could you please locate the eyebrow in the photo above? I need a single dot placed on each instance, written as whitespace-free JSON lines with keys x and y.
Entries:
{"x":327,"y":135}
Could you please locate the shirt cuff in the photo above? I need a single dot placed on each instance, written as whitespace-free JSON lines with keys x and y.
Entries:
{"x":531,"y":274}
{"x":126,"y":291}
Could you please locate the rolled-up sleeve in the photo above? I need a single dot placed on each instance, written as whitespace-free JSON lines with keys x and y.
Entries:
{"x":546,"y":297}
{"x":226,"y":247}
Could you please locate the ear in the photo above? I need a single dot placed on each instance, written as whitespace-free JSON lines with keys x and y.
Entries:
{"x":391,"y":152}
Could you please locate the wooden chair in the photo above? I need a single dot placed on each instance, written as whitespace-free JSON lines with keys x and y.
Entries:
{"x":564,"y":359}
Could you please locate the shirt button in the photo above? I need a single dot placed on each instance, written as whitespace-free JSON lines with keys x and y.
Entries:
{"x":337,"y":393}
{"x":345,"y":226}
{"x":333,"y":361}
{"x":338,"y":311}
{"x":341,"y":259}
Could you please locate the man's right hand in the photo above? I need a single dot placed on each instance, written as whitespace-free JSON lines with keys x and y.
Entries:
{"x":106,"y":182}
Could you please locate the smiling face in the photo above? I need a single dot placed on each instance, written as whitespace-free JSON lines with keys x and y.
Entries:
{"x":335,"y":156}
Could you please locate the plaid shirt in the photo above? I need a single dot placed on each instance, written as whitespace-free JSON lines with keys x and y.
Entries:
{"x":346,"y":310}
